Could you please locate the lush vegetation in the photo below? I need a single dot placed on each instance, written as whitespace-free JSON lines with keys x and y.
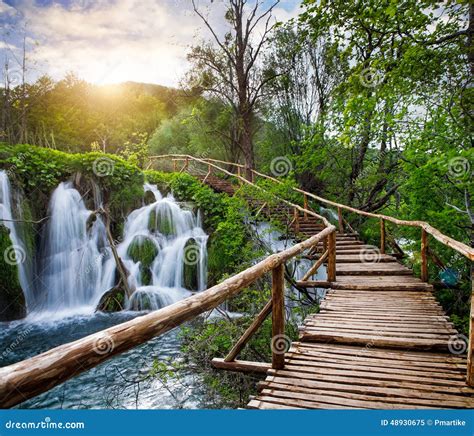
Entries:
{"x":367,"y":103}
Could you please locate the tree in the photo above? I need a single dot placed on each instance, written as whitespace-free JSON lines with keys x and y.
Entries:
{"x":399,"y":53}
{"x":230,"y":68}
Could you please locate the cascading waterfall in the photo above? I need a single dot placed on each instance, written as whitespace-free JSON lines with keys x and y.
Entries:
{"x":164,"y":249}
{"x":18,"y":253}
{"x":67,"y":280}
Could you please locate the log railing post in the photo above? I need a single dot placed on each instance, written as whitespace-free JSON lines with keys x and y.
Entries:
{"x":296,"y":219}
{"x":470,"y":350}
{"x":424,"y":255}
{"x":174,"y":165}
{"x":331,"y":266}
{"x":382,"y":236}
{"x":278,"y":317}
{"x":340,"y":219}
{"x":305,"y":207}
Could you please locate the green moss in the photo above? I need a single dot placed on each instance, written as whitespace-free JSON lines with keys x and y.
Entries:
{"x":143,"y":250}
{"x":12,"y":299}
{"x":113,"y":300}
{"x":161,"y":224}
{"x":39,"y":170}
{"x":191,"y":265}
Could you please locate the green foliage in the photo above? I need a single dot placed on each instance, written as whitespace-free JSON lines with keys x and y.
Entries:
{"x":39,"y":170}
{"x":205,"y":339}
{"x":73,"y":115}
{"x":12,"y":300}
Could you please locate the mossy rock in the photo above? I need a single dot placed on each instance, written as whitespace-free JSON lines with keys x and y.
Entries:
{"x":191,"y":261}
{"x":142,"y":303}
{"x":149,"y":198}
{"x":161,"y":224}
{"x":143,"y":250}
{"x":113,"y":300}
{"x":12,"y":299}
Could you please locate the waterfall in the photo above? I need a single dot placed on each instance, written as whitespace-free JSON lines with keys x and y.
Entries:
{"x":18,"y":247}
{"x":163,"y":249}
{"x":72,"y":238}
{"x":174,"y":242}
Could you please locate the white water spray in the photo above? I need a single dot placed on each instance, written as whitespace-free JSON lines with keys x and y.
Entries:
{"x":72,"y":239}
{"x":18,"y":253}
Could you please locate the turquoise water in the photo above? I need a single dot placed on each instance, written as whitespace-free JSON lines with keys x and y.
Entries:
{"x":120,"y":382}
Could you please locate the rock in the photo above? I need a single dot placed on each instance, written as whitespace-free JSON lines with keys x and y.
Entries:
{"x":90,"y":221}
{"x":113,"y":300}
{"x":143,"y":250}
{"x":161,"y":223}
{"x":149,"y":198}
{"x":191,"y":265}
{"x":12,"y":299}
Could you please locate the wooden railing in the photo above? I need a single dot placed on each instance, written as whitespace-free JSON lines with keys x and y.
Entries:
{"x":426,"y":230}
{"x":460,"y":247}
{"x":26,"y":379}
{"x":31,"y":377}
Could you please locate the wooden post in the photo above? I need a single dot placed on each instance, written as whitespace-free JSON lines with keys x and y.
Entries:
{"x":174,"y":165}
{"x":382,"y":236}
{"x":470,"y":351}
{"x":340,"y":219}
{"x":331,"y":265}
{"x":424,"y":257}
{"x":305,"y":207}
{"x":296,"y":215}
{"x":278,"y":316}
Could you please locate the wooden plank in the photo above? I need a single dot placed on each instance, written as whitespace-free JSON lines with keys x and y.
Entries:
{"x":383,"y":341}
{"x":300,"y":360}
{"x":241,"y":366}
{"x":291,"y":403}
{"x":355,"y":258}
{"x":333,"y":400}
{"x":363,"y":381}
{"x":384,"y":353}
{"x":365,"y":358}
{"x":394,"y":398}
{"x":385,"y":391}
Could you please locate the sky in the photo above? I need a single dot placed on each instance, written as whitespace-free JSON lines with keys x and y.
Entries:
{"x":109,"y":41}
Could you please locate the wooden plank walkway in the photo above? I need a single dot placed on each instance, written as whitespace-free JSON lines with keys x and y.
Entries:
{"x":380,"y":341}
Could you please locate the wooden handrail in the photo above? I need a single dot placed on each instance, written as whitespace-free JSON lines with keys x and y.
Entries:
{"x":244,"y":180}
{"x":426,"y":229}
{"x":460,"y":247}
{"x":28,"y":378}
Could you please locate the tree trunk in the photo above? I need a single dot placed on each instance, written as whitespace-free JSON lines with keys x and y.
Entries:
{"x":247,"y":145}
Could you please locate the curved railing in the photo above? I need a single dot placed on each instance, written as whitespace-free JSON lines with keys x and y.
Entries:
{"x":460,"y":247}
{"x":26,"y":379}
{"x":426,"y":229}
{"x":31,"y":377}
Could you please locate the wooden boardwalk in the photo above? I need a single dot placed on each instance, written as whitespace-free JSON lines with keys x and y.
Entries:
{"x":381,"y":340}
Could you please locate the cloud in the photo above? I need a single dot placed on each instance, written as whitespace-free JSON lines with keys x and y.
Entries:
{"x":110,"y":41}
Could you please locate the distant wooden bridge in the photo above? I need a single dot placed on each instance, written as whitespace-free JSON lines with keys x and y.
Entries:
{"x":380,"y":340}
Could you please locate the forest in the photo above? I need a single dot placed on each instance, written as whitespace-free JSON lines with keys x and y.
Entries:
{"x":364,"y":103}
